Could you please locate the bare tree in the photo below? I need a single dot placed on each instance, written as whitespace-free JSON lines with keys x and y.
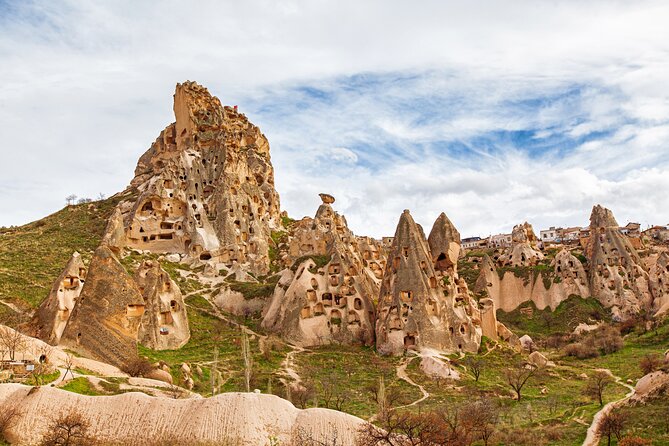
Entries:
{"x":70,"y":429}
{"x":214,"y":373}
{"x":302,"y":394}
{"x":68,"y":363}
{"x":518,"y":375}
{"x":596,"y":385}
{"x":481,"y":419}
{"x":248,"y":360}
{"x":8,"y":416}
{"x":11,"y":341}
{"x":403,"y":429}
{"x":475,"y":365}
{"x":386,"y":397}
{"x":70,"y":199}
{"x":611,"y":425}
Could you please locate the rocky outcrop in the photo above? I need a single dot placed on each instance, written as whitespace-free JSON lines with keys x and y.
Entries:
{"x":523,"y":250}
{"x":244,"y":419}
{"x":205,"y":188}
{"x":53,"y":314}
{"x":617,"y":277}
{"x":332,"y":301}
{"x":164,"y":322}
{"x":548,"y":287}
{"x":103,"y":324}
{"x":421,"y":307}
{"x":444,"y":243}
{"x":659,"y":279}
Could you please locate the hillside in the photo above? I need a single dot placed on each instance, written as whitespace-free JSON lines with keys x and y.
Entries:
{"x":33,"y":255}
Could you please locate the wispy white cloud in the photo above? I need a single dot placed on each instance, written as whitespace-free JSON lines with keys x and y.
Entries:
{"x":493,"y":112}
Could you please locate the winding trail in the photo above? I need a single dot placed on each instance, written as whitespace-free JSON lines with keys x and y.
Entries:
{"x":289,"y":361}
{"x":402,"y":374}
{"x":592,"y":438}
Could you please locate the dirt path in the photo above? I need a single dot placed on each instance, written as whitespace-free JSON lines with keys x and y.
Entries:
{"x":402,"y":374}
{"x":288,"y":364}
{"x":592,"y":438}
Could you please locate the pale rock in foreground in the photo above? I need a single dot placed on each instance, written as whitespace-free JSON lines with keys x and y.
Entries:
{"x":136,"y":419}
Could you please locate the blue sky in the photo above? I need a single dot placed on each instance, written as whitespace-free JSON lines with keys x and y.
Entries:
{"x":495,"y":114}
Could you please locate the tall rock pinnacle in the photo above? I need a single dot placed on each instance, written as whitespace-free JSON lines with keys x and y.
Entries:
{"x":419,"y":306}
{"x":206,"y":186}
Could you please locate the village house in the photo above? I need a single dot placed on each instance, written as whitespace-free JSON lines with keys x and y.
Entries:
{"x":499,"y":241}
{"x":473,"y":243}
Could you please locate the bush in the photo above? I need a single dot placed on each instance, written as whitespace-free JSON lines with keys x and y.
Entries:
{"x":581,"y":351}
{"x":137,"y":367}
{"x":607,"y":339}
{"x":650,"y":363}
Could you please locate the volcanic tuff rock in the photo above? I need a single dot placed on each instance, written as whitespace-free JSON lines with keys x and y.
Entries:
{"x":523,"y":250}
{"x":54,"y":312}
{"x":511,"y":290}
{"x":444,"y":242}
{"x":205,"y":187}
{"x":659,"y":276}
{"x":313,"y":305}
{"x":420,"y":306}
{"x":617,"y":277}
{"x":242,"y":419}
{"x":101,"y":324}
{"x":164,"y":323}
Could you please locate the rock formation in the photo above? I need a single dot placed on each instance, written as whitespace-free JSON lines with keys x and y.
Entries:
{"x":205,"y":188}
{"x":104,"y":323}
{"x":523,"y":250}
{"x":243,"y":419}
{"x":617,"y":278}
{"x":422,"y":302}
{"x":331,"y":302}
{"x":564,"y":277}
{"x":54,"y":312}
{"x":659,"y":276}
{"x":164,"y":323}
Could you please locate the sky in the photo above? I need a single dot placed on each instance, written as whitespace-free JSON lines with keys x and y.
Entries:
{"x":493,"y":112}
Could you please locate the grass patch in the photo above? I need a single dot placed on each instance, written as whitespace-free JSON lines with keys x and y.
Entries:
{"x":252,"y":290}
{"x":81,"y":386}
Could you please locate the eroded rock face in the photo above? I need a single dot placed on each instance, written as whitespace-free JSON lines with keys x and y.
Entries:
{"x":419,"y":306}
{"x":103,"y":325}
{"x":659,"y":276}
{"x":314,"y":305}
{"x":444,"y":243}
{"x":164,"y":322}
{"x":617,"y":277}
{"x":55,"y":311}
{"x":573,"y":278}
{"x":206,"y":186}
{"x":523,"y":250}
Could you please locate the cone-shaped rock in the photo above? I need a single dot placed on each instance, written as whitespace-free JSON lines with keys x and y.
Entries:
{"x":103,"y":325}
{"x":444,"y":242}
{"x":617,"y":277}
{"x":417,"y":308}
{"x":54,"y":312}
